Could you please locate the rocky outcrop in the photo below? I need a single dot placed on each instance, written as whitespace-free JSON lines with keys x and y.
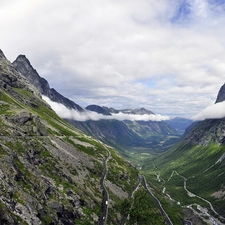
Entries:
{"x":26,"y":123}
{"x":210,"y":130}
{"x":204,"y":132}
{"x":22,"y":64}
{"x":221,"y":94}
{"x":11,"y":78}
{"x":28,"y":192}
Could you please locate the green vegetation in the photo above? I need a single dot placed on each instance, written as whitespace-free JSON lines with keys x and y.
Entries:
{"x":198,"y":165}
{"x":142,"y":209}
{"x":32,"y":154}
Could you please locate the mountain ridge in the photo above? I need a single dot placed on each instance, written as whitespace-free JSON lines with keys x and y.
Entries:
{"x":221,"y":94}
{"x":23,"y":65}
{"x":120,"y":134}
{"x":50,"y":172}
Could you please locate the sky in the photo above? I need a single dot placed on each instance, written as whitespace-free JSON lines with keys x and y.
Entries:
{"x":165,"y":56}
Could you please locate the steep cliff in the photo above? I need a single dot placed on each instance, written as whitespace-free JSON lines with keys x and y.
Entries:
{"x":221,"y":94}
{"x":23,"y":65}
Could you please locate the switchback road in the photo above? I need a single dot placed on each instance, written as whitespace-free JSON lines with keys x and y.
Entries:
{"x":166,"y":217}
{"x":103,"y":218}
{"x":130,"y":196}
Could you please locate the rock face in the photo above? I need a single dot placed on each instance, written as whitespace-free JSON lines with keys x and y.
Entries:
{"x":26,"y":123}
{"x":22,"y":64}
{"x":207,"y":131}
{"x":49,"y":171}
{"x":203,"y":132}
{"x":221,"y":94}
{"x":11,"y":78}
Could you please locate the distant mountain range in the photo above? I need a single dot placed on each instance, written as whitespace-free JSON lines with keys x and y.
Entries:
{"x":188,"y":176}
{"x":108,"y":111}
{"x":22,"y":64}
{"x":125,"y":134}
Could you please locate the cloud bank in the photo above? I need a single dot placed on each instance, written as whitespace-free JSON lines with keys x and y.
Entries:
{"x":66,"y":113}
{"x":166,"y":54}
{"x":216,"y":111}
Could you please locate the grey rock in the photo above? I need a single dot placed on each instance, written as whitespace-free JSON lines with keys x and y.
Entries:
{"x":23,"y":65}
{"x":27,"y":124}
{"x":221,"y":95}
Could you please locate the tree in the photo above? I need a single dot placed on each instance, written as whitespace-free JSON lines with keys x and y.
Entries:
{"x":144,"y":210}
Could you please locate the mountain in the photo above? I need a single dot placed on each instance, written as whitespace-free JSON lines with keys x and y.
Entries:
{"x":137,"y":111}
{"x":128,"y":135}
{"x":22,"y":64}
{"x":109,"y":111}
{"x":122,"y":135}
{"x":193,"y":170}
{"x":50,"y":172}
{"x":221,"y":94}
{"x":180,"y":124}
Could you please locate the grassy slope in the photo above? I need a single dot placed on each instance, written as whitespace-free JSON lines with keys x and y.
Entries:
{"x":59,"y":128}
{"x":198,"y":165}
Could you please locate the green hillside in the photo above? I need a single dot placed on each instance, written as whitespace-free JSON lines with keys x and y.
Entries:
{"x":49,"y":171}
{"x":191,"y":175}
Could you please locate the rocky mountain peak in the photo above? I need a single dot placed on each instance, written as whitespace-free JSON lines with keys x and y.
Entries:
{"x":10,"y":78}
{"x":24,"y":61}
{"x":137,"y":111}
{"x":23,"y":65}
{"x":221,"y":94}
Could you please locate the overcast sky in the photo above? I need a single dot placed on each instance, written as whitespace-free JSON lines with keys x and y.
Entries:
{"x":166,"y":55}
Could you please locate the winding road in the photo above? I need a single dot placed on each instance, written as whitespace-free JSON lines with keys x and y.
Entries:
{"x":130,"y":196}
{"x":166,"y":217}
{"x":103,"y":218}
{"x":194,"y":195}
{"x":140,"y":178}
{"x":104,"y":215}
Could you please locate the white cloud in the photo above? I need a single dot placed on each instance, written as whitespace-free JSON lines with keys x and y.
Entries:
{"x":216,"y":111}
{"x":121,"y":53}
{"x":66,"y":113}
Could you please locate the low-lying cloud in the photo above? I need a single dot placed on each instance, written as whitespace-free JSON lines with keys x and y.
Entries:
{"x":169,"y":53}
{"x":216,"y":111}
{"x":66,"y":113}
